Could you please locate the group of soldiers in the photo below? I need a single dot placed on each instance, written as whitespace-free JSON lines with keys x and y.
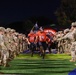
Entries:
{"x":66,"y":41}
{"x":12,"y":44}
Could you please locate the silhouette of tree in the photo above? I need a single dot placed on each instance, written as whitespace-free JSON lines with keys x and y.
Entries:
{"x":66,"y":13}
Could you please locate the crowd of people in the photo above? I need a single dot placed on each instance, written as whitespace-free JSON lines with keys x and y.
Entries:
{"x":67,"y":41}
{"x":13,"y":43}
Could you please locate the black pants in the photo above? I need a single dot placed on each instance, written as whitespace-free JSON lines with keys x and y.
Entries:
{"x":42,"y":47}
{"x":32,"y":48}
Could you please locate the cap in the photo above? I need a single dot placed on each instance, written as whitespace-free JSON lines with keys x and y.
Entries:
{"x":73,"y":24}
{"x":12,"y":30}
{"x":8,"y":29}
{"x":66,"y":30}
{"x":2,"y":29}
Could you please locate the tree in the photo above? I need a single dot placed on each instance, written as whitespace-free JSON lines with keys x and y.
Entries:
{"x":66,"y":13}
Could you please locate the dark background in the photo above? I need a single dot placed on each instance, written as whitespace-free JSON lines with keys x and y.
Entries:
{"x":13,"y":13}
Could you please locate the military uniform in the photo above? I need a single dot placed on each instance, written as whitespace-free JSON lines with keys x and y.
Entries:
{"x":11,"y":44}
{"x":73,"y":42}
{"x":73,"y":51}
{"x":1,"y":43}
{"x":60,"y":42}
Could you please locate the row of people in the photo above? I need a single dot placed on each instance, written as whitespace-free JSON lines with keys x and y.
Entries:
{"x":12,"y":44}
{"x":67,"y":41}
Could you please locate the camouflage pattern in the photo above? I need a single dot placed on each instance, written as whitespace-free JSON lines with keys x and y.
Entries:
{"x":11,"y":44}
{"x":60,"y":42}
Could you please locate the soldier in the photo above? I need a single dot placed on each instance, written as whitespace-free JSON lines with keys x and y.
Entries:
{"x":60,"y":42}
{"x":66,"y":41}
{"x":14,"y":43}
{"x":73,"y":49}
{"x":6,"y":49}
{"x":16,"y":39}
{"x":8,"y":31}
{"x":4,"y":52}
{"x":70,"y":38}
{"x":25,"y":43}
{"x":20,"y":42}
{"x":1,"y":43}
{"x":73,"y":46}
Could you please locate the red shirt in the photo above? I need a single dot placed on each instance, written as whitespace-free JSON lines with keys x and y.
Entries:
{"x":42,"y":36}
{"x":31,"y":37}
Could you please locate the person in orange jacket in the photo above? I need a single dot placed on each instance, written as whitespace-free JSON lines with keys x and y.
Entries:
{"x":42,"y":41}
{"x":32,"y":38}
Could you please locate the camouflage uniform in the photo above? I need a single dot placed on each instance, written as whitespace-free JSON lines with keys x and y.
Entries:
{"x":66,"y":41}
{"x":73,"y":51}
{"x":6,"y":49}
{"x":16,"y":40}
{"x":20,"y":42}
{"x":4,"y":52}
{"x":73,"y":46}
{"x":11,"y":44}
{"x":60,"y":42}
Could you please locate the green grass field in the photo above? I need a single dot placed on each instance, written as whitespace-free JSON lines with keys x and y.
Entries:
{"x":53,"y":64}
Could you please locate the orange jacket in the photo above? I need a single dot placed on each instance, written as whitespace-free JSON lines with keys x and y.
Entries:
{"x":42,"y":36}
{"x":31,"y":37}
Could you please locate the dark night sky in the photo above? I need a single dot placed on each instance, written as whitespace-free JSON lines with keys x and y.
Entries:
{"x":17,"y":10}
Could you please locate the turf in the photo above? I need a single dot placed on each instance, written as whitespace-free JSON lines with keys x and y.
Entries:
{"x":53,"y":64}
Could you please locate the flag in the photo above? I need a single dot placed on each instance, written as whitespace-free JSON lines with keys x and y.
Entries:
{"x":36,"y":27}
